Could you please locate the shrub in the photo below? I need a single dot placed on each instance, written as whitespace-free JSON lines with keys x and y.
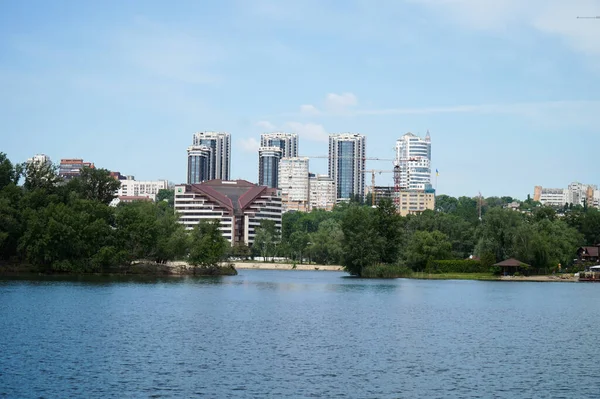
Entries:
{"x":496,"y":270}
{"x":386,"y":271}
{"x":455,"y":266}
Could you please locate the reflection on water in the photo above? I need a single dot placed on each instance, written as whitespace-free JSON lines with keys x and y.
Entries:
{"x":295,"y":334}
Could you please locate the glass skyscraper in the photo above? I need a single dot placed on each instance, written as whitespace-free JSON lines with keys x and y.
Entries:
{"x":220,"y":157}
{"x":273,"y":147}
{"x":268,"y":166}
{"x":199,"y":164}
{"x":347,"y":153}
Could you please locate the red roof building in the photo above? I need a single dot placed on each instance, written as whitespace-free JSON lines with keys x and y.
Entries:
{"x":238,"y":204}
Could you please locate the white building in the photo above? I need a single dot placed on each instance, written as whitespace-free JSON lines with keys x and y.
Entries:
{"x":576,"y":194}
{"x":294,"y":184}
{"x":138,"y":188}
{"x":551,"y":196}
{"x":347,"y":156}
{"x":39,"y":160}
{"x":220,"y":157}
{"x":322,"y":192}
{"x":413,"y":155}
{"x":239,"y":206}
{"x":288,"y":142}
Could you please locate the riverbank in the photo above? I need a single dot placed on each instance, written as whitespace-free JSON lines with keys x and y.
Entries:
{"x":565,"y":278}
{"x":138,"y":268}
{"x":286,"y":266}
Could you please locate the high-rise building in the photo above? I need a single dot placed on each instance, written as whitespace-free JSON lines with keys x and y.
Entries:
{"x":70,"y":168}
{"x":273,"y":147}
{"x":294,"y":184}
{"x":322,"y":192}
{"x":288,"y":142}
{"x":347,"y":152}
{"x":199,"y":164}
{"x":268,"y":166}
{"x":238,"y":205}
{"x":220,"y":156}
{"x":413,"y":156}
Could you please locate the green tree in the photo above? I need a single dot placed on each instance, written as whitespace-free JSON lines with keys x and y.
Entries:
{"x":266,"y":238}
{"x":95,"y":184}
{"x":389,"y":229}
{"x":424,"y":246}
{"x":497,"y":231}
{"x":298,"y":243}
{"x":41,"y":176}
{"x":9,"y":173}
{"x":361,"y":240}
{"x":241,"y":250}
{"x":208,"y":247}
{"x":11,"y":227}
{"x":137,"y":229}
{"x":445,"y":203}
{"x":172,"y":240}
{"x":166,"y":195}
{"x":326,"y":243}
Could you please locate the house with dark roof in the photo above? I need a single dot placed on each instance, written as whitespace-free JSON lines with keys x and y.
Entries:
{"x":238,"y":204}
{"x":589,"y":254}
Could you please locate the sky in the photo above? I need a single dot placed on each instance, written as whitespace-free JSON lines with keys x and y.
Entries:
{"x":508,"y":89}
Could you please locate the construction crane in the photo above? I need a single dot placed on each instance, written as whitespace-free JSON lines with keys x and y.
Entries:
{"x":373,"y":172}
{"x":596,"y":17}
{"x":395,"y":171}
{"x":363,"y":158}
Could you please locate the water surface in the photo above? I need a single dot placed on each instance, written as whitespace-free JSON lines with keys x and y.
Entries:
{"x":297,"y":334}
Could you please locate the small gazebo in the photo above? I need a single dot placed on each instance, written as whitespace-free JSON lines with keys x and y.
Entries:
{"x":511,"y":266}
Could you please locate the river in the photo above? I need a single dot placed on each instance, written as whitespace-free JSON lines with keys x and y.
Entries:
{"x":297,"y":334}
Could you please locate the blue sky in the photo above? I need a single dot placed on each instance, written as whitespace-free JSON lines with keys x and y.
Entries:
{"x":509,"y":90}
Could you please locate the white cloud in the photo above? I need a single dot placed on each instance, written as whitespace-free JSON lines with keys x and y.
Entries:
{"x":340,"y":102}
{"x":550,"y":17}
{"x":308,"y":109}
{"x":266,"y":125}
{"x":249,"y":145}
{"x":308,"y":131}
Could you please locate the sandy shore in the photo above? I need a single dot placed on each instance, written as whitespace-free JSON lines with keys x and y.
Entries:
{"x":285,"y":266}
{"x":554,"y":278}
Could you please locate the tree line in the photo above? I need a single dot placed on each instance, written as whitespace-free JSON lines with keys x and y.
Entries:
{"x":377,"y":241}
{"x":69,"y":226}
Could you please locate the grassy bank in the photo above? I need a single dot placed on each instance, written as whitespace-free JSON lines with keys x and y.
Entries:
{"x":454,"y":276}
{"x":136,"y":268}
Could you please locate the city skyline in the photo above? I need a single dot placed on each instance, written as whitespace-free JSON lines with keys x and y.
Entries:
{"x":505,"y":87}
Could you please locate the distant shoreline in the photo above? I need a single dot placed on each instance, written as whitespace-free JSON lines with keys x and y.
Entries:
{"x":286,"y":266}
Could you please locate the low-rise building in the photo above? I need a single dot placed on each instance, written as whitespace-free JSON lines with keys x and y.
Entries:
{"x":414,"y":202}
{"x":576,"y":194}
{"x":141,"y":188}
{"x":323,"y":193}
{"x":294,"y":184}
{"x":550,"y":196}
{"x":239,"y":206}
